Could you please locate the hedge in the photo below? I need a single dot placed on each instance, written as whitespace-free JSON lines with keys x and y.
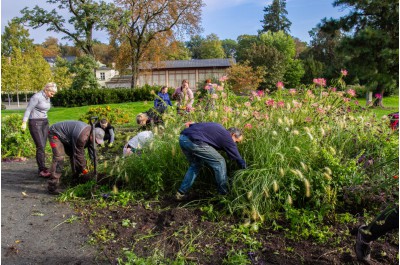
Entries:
{"x":83,"y":97}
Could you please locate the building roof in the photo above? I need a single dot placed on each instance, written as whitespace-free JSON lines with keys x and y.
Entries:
{"x":52,"y":59}
{"x":195,"y":63}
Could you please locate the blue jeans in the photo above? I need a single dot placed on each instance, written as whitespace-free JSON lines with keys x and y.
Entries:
{"x":198,"y":155}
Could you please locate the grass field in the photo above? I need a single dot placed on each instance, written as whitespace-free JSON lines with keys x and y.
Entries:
{"x":61,"y":114}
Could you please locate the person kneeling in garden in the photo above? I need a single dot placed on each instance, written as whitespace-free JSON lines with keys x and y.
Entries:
{"x":148,"y":119}
{"x":71,"y":138}
{"x":136,"y":143}
{"x":108,"y":129}
{"x":199,"y":143}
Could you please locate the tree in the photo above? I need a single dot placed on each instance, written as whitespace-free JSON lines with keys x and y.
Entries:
{"x":15,"y":36}
{"x":82,"y":70}
{"x":194,"y":46}
{"x":49,"y":47}
{"x":275,"y":17}
{"x":138,"y":24}
{"x":245,"y":42}
{"x":62,"y":75}
{"x":85,"y":17}
{"x":230,"y":47}
{"x":244,"y":78}
{"x":177,"y":51}
{"x":211,"y":48}
{"x":371,"y":45}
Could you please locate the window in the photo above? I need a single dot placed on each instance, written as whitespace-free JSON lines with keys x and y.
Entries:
{"x":102,"y":76}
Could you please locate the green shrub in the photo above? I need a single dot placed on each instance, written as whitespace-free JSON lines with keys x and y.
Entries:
{"x":83,"y":97}
{"x":14,"y":142}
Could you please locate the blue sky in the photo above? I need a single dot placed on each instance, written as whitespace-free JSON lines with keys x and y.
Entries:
{"x":226,"y":18}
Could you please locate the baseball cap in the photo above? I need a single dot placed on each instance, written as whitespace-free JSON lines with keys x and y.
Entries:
{"x":99,"y":134}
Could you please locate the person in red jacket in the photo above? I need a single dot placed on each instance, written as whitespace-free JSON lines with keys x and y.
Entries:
{"x":71,"y":138}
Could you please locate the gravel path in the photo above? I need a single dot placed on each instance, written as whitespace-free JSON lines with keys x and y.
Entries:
{"x":34,"y":226}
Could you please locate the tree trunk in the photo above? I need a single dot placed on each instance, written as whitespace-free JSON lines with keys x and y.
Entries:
{"x":368,"y":97}
{"x":379,"y":100}
{"x":17,"y":99}
{"x":9,"y":99}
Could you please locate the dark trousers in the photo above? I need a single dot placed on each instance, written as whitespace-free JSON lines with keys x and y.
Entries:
{"x":38,"y":129}
{"x":385,"y":222}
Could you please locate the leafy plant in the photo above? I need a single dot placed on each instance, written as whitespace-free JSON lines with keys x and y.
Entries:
{"x":14,"y":142}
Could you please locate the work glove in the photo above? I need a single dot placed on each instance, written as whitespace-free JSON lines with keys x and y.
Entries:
{"x":23,"y":126}
{"x":85,"y":171}
{"x":102,"y":145}
{"x":110,"y":144}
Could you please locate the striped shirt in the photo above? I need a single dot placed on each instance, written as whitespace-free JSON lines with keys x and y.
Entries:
{"x":38,"y":107}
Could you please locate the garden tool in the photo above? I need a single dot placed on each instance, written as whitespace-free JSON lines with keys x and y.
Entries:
{"x":93,"y":121}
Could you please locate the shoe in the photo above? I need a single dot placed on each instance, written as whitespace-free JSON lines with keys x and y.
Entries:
{"x":363,"y":249}
{"x":44,"y":174}
{"x":179,"y":196}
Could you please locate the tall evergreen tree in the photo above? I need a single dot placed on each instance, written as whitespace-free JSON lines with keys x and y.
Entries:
{"x":275,"y":17}
{"x":371,"y":47}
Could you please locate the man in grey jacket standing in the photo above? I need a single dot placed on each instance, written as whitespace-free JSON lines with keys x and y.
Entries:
{"x":71,"y":138}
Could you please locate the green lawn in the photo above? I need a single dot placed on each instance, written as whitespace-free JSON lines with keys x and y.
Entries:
{"x":61,"y":114}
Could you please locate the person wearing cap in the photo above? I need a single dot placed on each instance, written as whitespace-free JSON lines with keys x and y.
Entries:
{"x":200,"y":143}
{"x":36,"y":117}
{"x":71,"y":138}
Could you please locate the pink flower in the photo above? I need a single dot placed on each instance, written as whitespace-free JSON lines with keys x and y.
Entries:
{"x":377,"y":95}
{"x":270,"y":102}
{"x":351,"y":92}
{"x":356,"y":102}
{"x":223,"y":78}
{"x":344,"y":72}
{"x":227,"y":109}
{"x":281,"y":104}
{"x":248,"y":126}
{"x":207,"y":87}
{"x":319,"y":81}
{"x":256,"y":115}
{"x":333,"y":89}
{"x":247,"y":104}
{"x":296,"y":104}
{"x":260,"y":93}
{"x":308,"y":119}
{"x":292,"y":91}
{"x":310,"y":94}
{"x":220,"y":88}
{"x":266,"y":116}
{"x":279,"y":85}
{"x":325,"y":94}
{"x":346,"y":99}
{"x":320,"y":110}
{"x":223,"y":94}
{"x":214,"y":96}
{"x":225,"y":119}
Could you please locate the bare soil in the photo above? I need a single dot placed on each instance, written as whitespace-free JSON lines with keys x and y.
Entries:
{"x":35,"y":230}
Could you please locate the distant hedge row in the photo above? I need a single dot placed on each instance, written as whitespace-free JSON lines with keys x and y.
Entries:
{"x":83,"y":97}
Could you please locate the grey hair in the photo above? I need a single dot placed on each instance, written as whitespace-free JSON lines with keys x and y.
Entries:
{"x":140,"y":116}
{"x":235,"y":131}
{"x":51,"y":87}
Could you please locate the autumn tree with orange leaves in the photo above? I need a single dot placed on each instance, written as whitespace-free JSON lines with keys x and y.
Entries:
{"x":139,"y":26}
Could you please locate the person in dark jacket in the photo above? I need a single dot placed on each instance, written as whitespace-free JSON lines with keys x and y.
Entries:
{"x":71,"y":138}
{"x":148,"y":119}
{"x":200,"y":142}
{"x":108,"y":129}
{"x":162,"y":101}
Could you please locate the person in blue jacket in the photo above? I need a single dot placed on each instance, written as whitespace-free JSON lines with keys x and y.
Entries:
{"x":200,"y":143}
{"x":161,"y":102}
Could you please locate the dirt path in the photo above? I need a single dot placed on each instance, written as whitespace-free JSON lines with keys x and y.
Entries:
{"x":34,"y":226}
